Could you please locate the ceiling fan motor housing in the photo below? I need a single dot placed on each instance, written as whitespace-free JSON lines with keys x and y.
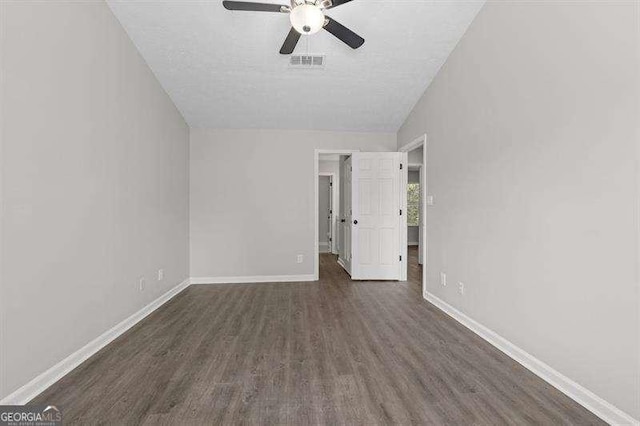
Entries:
{"x":307,"y":18}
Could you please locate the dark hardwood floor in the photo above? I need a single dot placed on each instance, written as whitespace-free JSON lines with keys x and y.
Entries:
{"x":331,"y":352}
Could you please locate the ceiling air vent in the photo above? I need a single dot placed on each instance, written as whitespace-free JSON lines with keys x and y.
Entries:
{"x":307,"y":61}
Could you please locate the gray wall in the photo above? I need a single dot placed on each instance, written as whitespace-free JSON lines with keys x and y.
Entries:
{"x":413,"y":235}
{"x":94,"y":180}
{"x":252,"y":198}
{"x":329,"y":166}
{"x":532,"y":131}
{"x":415,"y":155}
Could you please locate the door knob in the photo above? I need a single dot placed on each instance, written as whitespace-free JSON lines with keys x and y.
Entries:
{"x":355,"y":222}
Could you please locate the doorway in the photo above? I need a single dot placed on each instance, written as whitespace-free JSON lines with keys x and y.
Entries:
{"x":328,"y":164}
{"x":327,"y":232}
{"x":362,"y":224}
{"x":415,"y":215}
{"x":415,"y":231}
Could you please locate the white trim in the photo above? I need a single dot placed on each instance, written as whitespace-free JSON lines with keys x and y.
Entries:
{"x":316,"y":159}
{"x":592,"y":402}
{"x":39,"y":384}
{"x":252,"y":279}
{"x":637,"y":214}
{"x":416,"y":143}
{"x":341,"y":263}
{"x":3,"y":297}
{"x":413,"y":243}
{"x":330,"y":157}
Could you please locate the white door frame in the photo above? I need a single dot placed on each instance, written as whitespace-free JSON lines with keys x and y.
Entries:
{"x":316,"y":164}
{"x":417,"y":143}
{"x":335,"y":205}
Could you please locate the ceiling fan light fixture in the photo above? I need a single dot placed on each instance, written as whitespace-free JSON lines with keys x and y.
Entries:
{"x":307,"y":19}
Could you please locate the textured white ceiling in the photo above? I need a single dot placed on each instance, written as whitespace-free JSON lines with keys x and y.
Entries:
{"x":223,"y":70}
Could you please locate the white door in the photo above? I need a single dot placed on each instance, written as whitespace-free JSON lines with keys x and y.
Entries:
{"x":345,"y":219}
{"x":375,"y":221}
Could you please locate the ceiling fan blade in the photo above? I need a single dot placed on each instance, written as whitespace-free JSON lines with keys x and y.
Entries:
{"x":336,"y":3}
{"x":255,"y":7}
{"x":290,"y":42}
{"x":343,"y":33}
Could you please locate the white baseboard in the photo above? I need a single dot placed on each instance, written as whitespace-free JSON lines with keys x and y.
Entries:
{"x":601,"y":408}
{"x":413,"y":243}
{"x":344,"y":265}
{"x":39,"y":384}
{"x":592,"y":402}
{"x":253,"y":279}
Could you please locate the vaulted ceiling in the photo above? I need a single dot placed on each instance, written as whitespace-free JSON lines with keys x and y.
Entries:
{"x":223,"y":70}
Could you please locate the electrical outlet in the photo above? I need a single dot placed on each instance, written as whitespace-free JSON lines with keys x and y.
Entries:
{"x":300,"y":258}
{"x":141,"y":283}
{"x":430,"y":201}
{"x":160,"y":274}
{"x":443,"y":279}
{"x":461,"y":288}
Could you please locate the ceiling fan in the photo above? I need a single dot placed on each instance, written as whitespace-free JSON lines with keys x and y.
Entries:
{"x":307,"y":17}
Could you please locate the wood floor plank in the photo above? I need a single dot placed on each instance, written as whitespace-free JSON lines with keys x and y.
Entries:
{"x":331,"y":352}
